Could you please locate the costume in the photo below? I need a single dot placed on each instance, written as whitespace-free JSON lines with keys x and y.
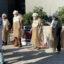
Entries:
{"x":17,"y":29}
{"x":5,"y":30}
{"x":36,"y":33}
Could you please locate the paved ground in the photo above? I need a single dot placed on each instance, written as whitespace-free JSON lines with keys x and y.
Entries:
{"x":27,"y":55}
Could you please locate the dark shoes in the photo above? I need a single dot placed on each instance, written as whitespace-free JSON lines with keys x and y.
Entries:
{"x":4,"y":43}
{"x":59,"y":52}
{"x":38,"y":48}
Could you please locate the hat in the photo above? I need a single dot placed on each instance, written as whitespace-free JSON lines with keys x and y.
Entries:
{"x":4,"y":15}
{"x":35,"y":14}
{"x":15,"y":12}
{"x":55,"y":15}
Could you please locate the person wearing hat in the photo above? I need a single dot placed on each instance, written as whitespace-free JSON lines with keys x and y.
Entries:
{"x":35,"y":40}
{"x":17,"y":27}
{"x":5,"y":28}
{"x":56,"y":27}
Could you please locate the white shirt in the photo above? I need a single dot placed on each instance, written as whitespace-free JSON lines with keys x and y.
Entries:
{"x":54,"y":23}
{"x":4,"y":23}
{"x":35,"y":23}
{"x":16,"y":19}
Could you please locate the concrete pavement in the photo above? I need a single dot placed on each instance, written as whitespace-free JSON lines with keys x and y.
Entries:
{"x":27,"y":55}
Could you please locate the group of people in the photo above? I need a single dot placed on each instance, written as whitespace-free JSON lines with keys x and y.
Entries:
{"x":17,"y":28}
{"x":36,"y":30}
{"x":55,"y":32}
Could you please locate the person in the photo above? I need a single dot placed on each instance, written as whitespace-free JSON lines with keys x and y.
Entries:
{"x":1,"y":51}
{"x":17,"y":27}
{"x":62,"y":39}
{"x":36,"y":31}
{"x":56,"y":27}
{"x":5,"y":28}
{"x":0,"y":21}
{"x":58,"y":34}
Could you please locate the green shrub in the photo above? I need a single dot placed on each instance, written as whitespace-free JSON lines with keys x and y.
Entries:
{"x":61,"y":14}
{"x":28,"y":17}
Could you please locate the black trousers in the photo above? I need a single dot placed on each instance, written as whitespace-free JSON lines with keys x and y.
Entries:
{"x":59,"y":39}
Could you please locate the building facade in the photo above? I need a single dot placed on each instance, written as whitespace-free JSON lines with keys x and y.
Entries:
{"x":49,"y":6}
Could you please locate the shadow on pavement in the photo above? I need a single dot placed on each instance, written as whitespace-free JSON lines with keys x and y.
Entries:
{"x":33,"y":57}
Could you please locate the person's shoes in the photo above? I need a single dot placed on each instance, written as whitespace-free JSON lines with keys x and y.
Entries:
{"x":34,"y":47}
{"x":38,"y":48}
{"x":19,"y":45}
{"x":5,"y":43}
{"x":59,"y":52}
{"x":4,"y":63}
{"x":15,"y":43}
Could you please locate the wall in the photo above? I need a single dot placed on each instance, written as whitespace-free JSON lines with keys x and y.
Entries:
{"x":3,"y":6}
{"x":50,"y":6}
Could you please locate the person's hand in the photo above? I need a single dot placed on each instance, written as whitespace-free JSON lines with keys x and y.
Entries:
{"x":11,"y":29}
{"x":30,"y":31}
{"x":6,"y":28}
{"x":20,"y":29}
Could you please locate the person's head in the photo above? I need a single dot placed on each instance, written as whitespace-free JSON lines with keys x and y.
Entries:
{"x":15,"y":13}
{"x":4,"y":16}
{"x":55,"y":15}
{"x":35,"y":16}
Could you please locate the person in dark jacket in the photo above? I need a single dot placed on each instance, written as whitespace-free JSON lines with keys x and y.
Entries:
{"x":57,"y":26}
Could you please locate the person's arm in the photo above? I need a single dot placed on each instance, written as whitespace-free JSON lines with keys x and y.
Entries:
{"x":61,"y":24}
{"x":30,"y":30}
{"x":21,"y":21}
{"x":39,"y":22}
{"x":8,"y":25}
{"x":51,"y":25}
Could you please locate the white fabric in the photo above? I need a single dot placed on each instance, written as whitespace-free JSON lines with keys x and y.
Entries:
{"x":16,"y":19}
{"x":15,"y":11}
{"x":54,"y":23}
{"x":4,"y":15}
{"x":35,"y":14}
{"x":46,"y":32}
{"x":35,"y":23}
{"x":4,"y":23}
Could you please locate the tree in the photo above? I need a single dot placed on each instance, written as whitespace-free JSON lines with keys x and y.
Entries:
{"x":28,"y":17}
{"x":61,"y":14}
